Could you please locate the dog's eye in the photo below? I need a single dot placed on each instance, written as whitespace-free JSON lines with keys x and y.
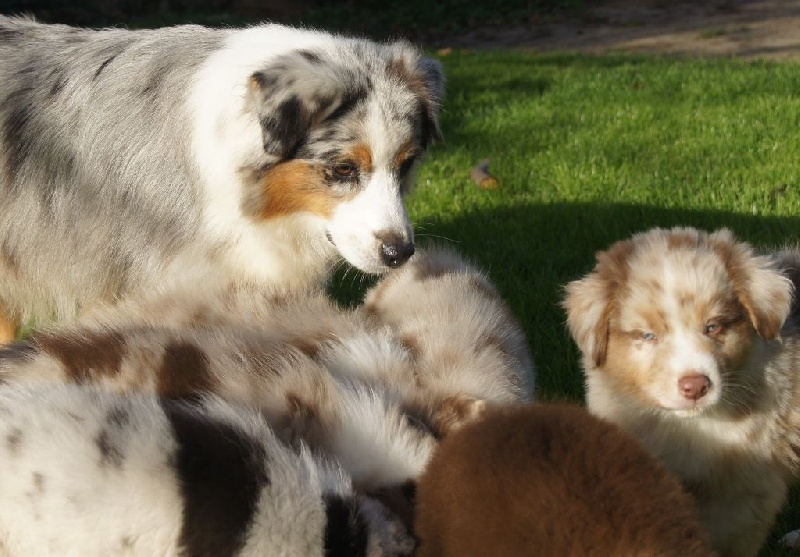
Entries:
{"x":712,"y":329}
{"x":649,"y":337}
{"x":345,"y":170}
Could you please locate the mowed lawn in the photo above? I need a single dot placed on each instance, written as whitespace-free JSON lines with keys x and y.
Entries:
{"x":587,"y":151}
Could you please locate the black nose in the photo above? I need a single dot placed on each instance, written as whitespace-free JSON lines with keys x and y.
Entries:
{"x":395,"y":253}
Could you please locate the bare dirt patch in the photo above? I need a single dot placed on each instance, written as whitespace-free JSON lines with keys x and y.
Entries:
{"x":750,"y":29}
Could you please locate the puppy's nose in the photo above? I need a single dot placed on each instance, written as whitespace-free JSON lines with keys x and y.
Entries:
{"x":694,"y":386}
{"x":395,"y":251}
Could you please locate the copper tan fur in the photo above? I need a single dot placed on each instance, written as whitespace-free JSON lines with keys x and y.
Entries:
{"x":551,"y":481}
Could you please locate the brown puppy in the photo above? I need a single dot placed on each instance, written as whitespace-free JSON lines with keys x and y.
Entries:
{"x":551,"y":480}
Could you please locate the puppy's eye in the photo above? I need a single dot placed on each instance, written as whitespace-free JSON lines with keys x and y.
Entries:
{"x":649,"y":336}
{"x":712,"y":329}
{"x":345,"y":170}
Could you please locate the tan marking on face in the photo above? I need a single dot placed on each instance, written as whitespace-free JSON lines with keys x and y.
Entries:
{"x":625,"y":371}
{"x":680,"y":308}
{"x":295,"y":186}
{"x":361,"y":155}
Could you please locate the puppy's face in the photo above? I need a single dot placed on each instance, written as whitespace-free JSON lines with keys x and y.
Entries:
{"x":669,"y":318}
{"x":343,"y":137}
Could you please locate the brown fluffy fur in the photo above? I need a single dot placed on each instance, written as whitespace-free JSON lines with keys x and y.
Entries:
{"x":551,"y":480}
{"x":687,"y":345}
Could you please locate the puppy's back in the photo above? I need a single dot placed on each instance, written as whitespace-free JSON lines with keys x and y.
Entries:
{"x":551,"y":480}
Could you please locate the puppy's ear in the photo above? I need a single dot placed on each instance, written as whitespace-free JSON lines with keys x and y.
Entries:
{"x":587,"y":303}
{"x":761,"y":288}
{"x":290,"y":95}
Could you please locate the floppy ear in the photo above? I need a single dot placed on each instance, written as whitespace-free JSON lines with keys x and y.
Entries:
{"x":424,"y":77}
{"x":588,"y":306}
{"x":433,"y":77}
{"x":761,"y":288}
{"x":288,"y":96}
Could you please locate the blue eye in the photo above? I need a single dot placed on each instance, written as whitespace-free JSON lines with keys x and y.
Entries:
{"x":648,"y":336}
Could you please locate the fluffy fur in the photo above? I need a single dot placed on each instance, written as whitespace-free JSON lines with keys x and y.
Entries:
{"x":165,"y":155}
{"x":551,"y":480}
{"x":690,"y":342}
{"x":468,"y":348}
{"x":342,"y":380}
{"x":92,"y":473}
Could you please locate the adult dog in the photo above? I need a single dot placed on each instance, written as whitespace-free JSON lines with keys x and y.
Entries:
{"x":680,"y":332}
{"x":133,"y":158}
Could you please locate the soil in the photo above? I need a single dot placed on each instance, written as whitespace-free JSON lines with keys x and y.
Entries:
{"x":750,"y":29}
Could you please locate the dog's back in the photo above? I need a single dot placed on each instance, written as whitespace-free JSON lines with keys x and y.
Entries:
{"x":551,"y":480}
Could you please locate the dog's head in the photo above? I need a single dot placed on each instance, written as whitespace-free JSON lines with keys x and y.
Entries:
{"x":343,"y":128}
{"x":669,"y":318}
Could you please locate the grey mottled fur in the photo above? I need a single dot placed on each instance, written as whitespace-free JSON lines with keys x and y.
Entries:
{"x":92,"y":473}
{"x":101,"y":193}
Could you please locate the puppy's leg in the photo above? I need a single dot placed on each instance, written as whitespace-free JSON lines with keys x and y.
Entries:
{"x":9,"y":326}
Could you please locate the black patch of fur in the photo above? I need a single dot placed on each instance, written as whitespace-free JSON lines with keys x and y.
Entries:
{"x":345,"y":528}
{"x":9,"y":34}
{"x":350,"y":100}
{"x":283,"y":131}
{"x":221,"y":474}
{"x":59,"y":81}
{"x":109,"y":454}
{"x":312,"y":57}
{"x":102,"y":66}
{"x":18,"y":352}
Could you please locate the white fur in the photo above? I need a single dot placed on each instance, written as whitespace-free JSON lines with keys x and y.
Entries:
{"x":225,"y":139}
{"x":58,"y":496}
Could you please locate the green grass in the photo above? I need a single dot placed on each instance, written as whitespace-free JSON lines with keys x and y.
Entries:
{"x":588,"y":151}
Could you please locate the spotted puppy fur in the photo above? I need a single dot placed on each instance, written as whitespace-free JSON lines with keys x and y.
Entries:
{"x":468,"y":348}
{"x":91,"y":473}
{"x":341,"y":380}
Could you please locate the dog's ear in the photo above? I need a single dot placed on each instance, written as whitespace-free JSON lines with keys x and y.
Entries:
{"x":433,"y":77}
{"x":590,"y":301}
{"x":587,"y":303}
{"x":761,"y":288}
{"x":425,"y":78}
{"x":288,"y":96}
